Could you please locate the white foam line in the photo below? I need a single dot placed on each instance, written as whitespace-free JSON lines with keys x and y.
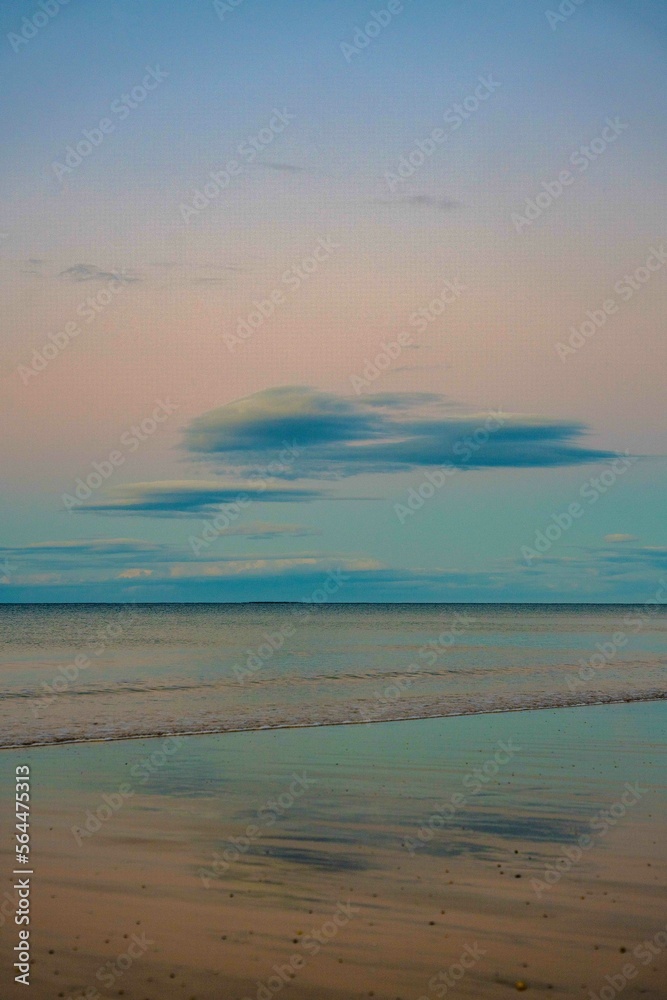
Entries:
{"x":346,"y":722}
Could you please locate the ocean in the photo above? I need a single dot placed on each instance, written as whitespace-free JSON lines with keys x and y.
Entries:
{"x":100,"y":672}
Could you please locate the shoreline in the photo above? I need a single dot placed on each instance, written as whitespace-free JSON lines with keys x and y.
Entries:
{"x":166,"y":734}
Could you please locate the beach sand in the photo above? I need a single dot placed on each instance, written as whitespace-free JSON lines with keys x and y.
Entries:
{"x":216,"y":859}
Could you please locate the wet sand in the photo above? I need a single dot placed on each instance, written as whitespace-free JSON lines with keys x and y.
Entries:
{"x":214,"y":861}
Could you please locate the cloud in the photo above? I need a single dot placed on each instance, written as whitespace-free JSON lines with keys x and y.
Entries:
{"x":191,"y":273}
{"x":291,"y":577}
{"x":389,"y":432}
{"x":285,"y":167}
{"x":260,"y":530}
{"x":442,"y":204}
{"x":88,"y":272}
{"x":196,"y":497}
{"x":271,"y":567}
{"x":297,"y":433}
{"x":297,"y":577}
{"x":126,"y":569}
{"x":216,"y":274}
{"x":82,"y":552}
{"x":635,"y":557}
{"x":620,"y":538}
{"x":103,"y":559}
{"x":80,"y":548}
{"x":606,"y":566}
{"x":33,"y":265}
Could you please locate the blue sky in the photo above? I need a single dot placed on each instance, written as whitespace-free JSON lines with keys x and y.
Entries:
{"x":417,"y":317}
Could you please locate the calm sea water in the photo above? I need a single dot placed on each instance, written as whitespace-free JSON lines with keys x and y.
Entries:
{"x":81,"y":672}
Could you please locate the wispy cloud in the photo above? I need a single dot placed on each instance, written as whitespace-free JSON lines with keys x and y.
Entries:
{"x":191,"y":497}
{"x":79,"y":548}
{"x":442,"y":204}
{"x":89,"y":554}
{"x":609,"y":563}
{"x":100,"y":569}
{"x":290,"y":168}
{"x":261,"y":530}
{"x":88,"y":272}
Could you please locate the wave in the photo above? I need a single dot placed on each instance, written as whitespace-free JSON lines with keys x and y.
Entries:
{"x":351,"y":715}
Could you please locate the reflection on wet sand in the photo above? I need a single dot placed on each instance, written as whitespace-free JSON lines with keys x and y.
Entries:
{"x":213,"y":880}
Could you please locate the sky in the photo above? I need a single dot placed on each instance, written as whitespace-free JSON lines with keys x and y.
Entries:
{"x":300,"y":293}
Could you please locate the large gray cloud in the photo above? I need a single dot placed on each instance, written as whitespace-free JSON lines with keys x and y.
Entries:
{"x":391,"y":432}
